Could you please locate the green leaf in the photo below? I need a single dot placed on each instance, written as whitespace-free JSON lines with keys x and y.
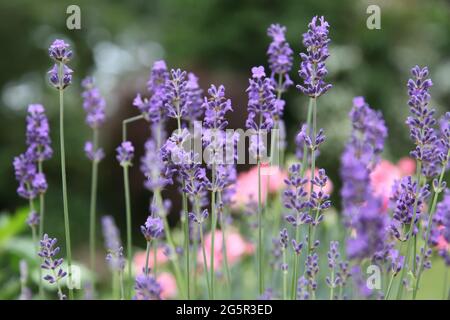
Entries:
{"x":11,"y":225}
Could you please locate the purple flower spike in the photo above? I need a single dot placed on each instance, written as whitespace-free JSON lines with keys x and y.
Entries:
{"x":93,"y":103}
{"x":370,"y":226}
{"x":147,"y":288}
{"x":280,"y":57}
{"x":153,"y":228}
{"x":60,"y":51}
{"x":312,"y":68}
{"x":48,"y":253}
{"x":421,"y":122}
{"x":176,"y":100}
{"x":33,"y":219}
{"x":31,"y":183}
{"x":195,"y":99}
{"x":38,"y":133}
{"x":125,"y":153}
{"x":115,"y":258}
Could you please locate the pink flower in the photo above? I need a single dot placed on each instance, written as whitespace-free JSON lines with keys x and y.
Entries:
{"x":407,"y":166}
{"x":168,"y":285}
{"x":237,"y":247}
{"x":272,"y":180}
{"x":139,"y":260}
{"x":386,"y":173}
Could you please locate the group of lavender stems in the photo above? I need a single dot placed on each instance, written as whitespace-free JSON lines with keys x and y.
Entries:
{"x":266,"y":106}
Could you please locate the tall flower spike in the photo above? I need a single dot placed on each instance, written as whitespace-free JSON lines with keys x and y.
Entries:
{"x":312,"y":68}
{"x":48,"y":253}
{"x":195,"y":100}
{"x":421,"y":121}
{"x":280,"y":57}
{"x":31,"y":182}
{"x":370,"y":227}
{"x":113,"y":244}
{"x":176,"y":94}
{"x":38,"y":133}
{"x":93,"y":103}
{"x":153,"y":167}
{"x":60,"y":81}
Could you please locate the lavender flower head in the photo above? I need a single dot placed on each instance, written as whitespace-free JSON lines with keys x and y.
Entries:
{"x":31,"y":182}
{"x":370,"y":227}
{"x":153,"y":228}
{"x":261,"y":110}
{"x":404,"y":199}
{"x":295,"y":197}
{"x":93,"y":103}
{"x":153,"y":168}
{"x":147,"y":288}
{"x":421,"y":121}
{"x":48,"y":253}
{"x":125,"y":153}
{"x":113,"y":244}
{"x":177,"y":94}
{"x":33,"y":219}
{"x":280,"y":57}
{"x":195,"y":99}
{"x":38,"y":133}
{"x":60,"y":51}
{"x":216,"y":106}
{"x":312,"y":68}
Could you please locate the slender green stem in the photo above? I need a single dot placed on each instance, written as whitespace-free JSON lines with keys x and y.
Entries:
{"x":126,"y":122}
{"x":260,"y":231}
{"x":445,"y":290}
{"x":155,"y":257}
{"x":313,"y":168}
{"x":121,"y":285}
{"x":297,"y":228}
{"x":285,"y":274}
{"x":332,"y":285}
{"x":115,"y":286}
{"x":171,"y":243}
{"x":93,"y":204}
{"x":213,"y":231}
{"x":205,"y":264}
{"x":391,"y":281}
{"x":428,"y":230}
{"x":186,"y":243}
{"x":147,"y":256}
{"x":224,"y":245}
{"x":128,"y":220}
{"x":63,"y":179}
{"x":41,"y":226}
{"x":410,"y":230}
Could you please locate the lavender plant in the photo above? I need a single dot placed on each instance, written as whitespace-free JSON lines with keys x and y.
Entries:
{"x":60,"y":76}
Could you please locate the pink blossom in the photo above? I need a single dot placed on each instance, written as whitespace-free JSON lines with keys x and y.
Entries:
{"x":386,"y":173}
{"x":139,"y":260}
{"x":168,"y":285}
{"x":236,"y":245}
{"x":272,"y":180}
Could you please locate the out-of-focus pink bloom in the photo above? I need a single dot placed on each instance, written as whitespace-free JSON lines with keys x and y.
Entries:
{"x":139,"y":260}
{"x":237,"y":247}
{"x":407,"y":166}
{"x":386,"y":173}
{"x":272,"y":180}
{"x":168,"y":285}
{"x":328,"y":187}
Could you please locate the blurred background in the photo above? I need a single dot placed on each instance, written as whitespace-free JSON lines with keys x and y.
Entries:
{"x":219,"y":41}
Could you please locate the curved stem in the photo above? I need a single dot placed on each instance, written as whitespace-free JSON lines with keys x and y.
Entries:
{"x":63,"y":179}
{"x":386,"y":297}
